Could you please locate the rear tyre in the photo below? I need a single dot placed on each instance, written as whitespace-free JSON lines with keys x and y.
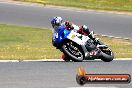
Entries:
{"x":107,"y":55}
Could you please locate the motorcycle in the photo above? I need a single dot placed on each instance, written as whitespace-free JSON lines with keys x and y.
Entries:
{"x":78,"y":47}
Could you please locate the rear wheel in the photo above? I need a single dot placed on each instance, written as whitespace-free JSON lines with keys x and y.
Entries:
{"x":73,"y":51}
{"x":107,"y":55}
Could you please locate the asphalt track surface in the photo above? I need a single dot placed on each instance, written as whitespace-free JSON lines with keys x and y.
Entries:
{"x":58,"y":74}
{"x":118,"y":25}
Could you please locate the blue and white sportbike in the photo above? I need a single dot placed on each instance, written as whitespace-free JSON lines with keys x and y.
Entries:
{"x":78,"y":47}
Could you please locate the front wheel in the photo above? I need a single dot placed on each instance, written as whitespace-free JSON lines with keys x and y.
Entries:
{"x":73,"y":51}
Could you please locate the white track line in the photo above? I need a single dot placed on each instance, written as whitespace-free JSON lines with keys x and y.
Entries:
{"x":57,"y":60}
{"x":114,"y":37}
{"x":93,"y":87}
{"x":45,"y":60}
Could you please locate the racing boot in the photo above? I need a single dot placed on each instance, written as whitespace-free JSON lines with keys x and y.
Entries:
{"x":91,"y":36}
{"x":65,"y":58}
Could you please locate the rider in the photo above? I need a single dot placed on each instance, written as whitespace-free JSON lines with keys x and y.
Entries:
{"x":57,"y":21}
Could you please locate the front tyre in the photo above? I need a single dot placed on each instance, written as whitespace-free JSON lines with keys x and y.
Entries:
{"x":73,"y":51}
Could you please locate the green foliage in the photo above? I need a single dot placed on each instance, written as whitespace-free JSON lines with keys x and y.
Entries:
{"x":119,"y":5}
{"x":26,"y":43}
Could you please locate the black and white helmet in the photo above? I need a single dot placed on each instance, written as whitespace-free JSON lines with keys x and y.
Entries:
{"x":56,"y":21}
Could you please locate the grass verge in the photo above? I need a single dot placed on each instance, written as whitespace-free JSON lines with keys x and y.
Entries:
{"x":118,"y":5}
{"x":27,"y":43}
